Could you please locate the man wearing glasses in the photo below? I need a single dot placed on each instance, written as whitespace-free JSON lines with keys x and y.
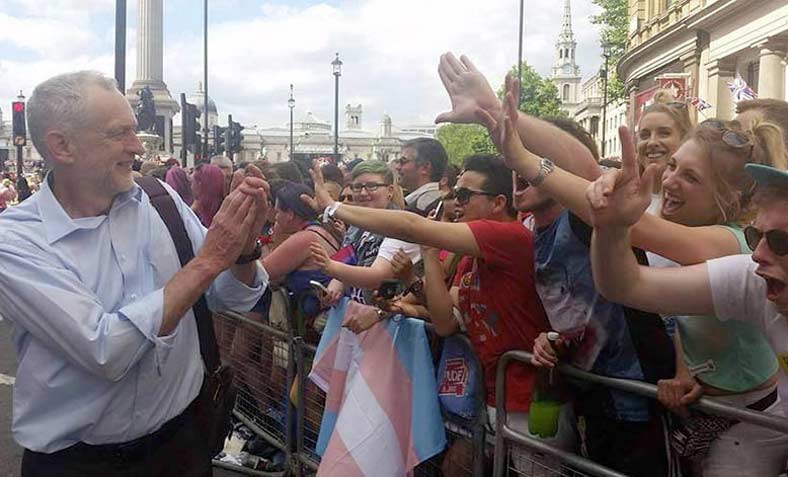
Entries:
{"x":420,"y":169}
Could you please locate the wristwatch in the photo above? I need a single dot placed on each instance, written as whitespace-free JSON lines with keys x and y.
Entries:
{"x":546,"y":167}
{"x":382,"y":315}
{"x":256,"y":253}
{"x":328,"y":212}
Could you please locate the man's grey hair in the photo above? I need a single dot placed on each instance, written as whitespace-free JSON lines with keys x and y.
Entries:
{"x":222,"y":161}
{"x":61,"y":103}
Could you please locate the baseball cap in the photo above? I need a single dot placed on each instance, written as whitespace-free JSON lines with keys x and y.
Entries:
{"x":765,"y":175}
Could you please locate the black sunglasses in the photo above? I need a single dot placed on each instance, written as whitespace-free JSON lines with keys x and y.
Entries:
{"x":776,"y":239}
{"x":345,"y":197}
{"x":462,"y":194}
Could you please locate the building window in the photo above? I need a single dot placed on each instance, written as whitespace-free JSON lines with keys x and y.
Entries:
{"x":565,"y":95}
{"x":278,"y":156}
{"x":561,"y":53}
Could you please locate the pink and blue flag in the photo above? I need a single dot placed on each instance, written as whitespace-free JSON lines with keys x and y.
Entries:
{"x":382,"y":415}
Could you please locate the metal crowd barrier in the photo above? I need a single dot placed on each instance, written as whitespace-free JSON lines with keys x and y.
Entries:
{"x":270,"y":357}
{"x":575,"y":465}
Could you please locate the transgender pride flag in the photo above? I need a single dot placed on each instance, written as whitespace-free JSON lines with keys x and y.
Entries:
{"x":382,"y":414}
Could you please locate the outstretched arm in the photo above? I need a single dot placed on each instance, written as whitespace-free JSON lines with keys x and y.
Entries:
{"x":617,"y":275}
{"x":682,"y":244}
{"x":368,"y":278}
{"x":473,"y":101}
{"x":407,"y":226}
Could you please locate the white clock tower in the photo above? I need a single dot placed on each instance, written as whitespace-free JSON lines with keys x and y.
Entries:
{"x":566,"y":73}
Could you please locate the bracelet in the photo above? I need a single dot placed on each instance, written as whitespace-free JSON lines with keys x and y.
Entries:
{"x":328,"y":212}
{"x":546,"y":167}
{"x":254,"y":255}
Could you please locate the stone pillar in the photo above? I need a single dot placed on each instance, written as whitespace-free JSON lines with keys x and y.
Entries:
{"x":771,"y":71}
{"x":720,"y":73}
{"x":150,"y":66}
{"x":150,"y":40}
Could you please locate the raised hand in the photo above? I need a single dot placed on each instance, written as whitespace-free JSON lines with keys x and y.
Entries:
{"x":468,"y":90}
{"x":230,"y":230}
{"x":505,"y":131}
{"x":322,"y":197}
{"x":620,"y":197}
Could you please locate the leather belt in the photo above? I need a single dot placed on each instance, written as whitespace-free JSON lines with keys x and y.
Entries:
{"x":132,"y":451}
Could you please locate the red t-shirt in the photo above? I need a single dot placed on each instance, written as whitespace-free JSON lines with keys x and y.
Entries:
{"x":499,"y":304}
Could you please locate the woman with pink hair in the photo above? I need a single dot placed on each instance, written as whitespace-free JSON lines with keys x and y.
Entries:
{"x":208,"y":187}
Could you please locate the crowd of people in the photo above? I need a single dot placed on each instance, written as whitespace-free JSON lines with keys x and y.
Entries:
{"x":669,"y":270}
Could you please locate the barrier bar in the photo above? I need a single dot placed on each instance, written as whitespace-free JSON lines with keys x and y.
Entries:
{"x":503,"y":431}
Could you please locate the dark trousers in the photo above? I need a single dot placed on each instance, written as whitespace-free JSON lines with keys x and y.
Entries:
{"x":175,"y":450}
{"x":632,"y":448}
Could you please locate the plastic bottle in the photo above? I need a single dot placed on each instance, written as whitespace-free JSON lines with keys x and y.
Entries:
{"x":546,"y":400}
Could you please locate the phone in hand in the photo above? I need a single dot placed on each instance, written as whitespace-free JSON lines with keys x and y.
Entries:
{"x":437,"y":213}
{"x":320,"y":290}
{"x":389,"y":288}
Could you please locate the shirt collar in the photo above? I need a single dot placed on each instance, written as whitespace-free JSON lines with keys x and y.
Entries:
{"x":56,"y":221}
{"x":429,"y":186}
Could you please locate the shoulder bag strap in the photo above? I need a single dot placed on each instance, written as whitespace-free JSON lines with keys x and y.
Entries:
{"x":164,"y":204}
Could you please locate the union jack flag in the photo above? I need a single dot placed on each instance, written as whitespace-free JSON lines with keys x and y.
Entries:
{"x":740,"y":90}
{"x":699,"y":103}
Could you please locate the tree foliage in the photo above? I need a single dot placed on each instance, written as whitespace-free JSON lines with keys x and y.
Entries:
{"x":538,"y":96}
{"x":614,"y":23}
{"x":463,"y":140}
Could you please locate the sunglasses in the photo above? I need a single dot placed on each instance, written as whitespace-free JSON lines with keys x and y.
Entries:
{"x":677,"y":105}
{"x":730,"y":137}
{"x":370,"y":186}
{"x":343,"y":198}
{"x":463,"y":195}
{"x":776,"y":239}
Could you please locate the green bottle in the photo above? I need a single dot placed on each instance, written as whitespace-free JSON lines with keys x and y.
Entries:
{"x":546,"y":400}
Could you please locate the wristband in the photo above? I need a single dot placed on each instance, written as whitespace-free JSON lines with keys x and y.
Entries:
{"x":328,"y":212}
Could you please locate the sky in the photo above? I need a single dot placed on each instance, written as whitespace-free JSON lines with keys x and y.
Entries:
{"x":257,"y":48}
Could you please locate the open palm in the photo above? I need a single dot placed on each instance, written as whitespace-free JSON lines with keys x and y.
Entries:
{"x":468,"y":90}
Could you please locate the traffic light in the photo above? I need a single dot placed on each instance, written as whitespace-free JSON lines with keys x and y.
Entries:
{"x":18,"y":123}
{"x":190,"y":124}
{"x":234,"y":140}
{"x":218,"y":139}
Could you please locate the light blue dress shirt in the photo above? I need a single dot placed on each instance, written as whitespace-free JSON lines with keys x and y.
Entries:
{"x":85,"y":297}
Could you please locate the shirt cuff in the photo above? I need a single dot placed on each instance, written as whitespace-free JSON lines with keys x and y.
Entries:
{"x":146,"y":315}
{"x":228,"y":293}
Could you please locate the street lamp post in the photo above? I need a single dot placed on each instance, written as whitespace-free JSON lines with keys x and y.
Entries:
{"x":337,"y":66}
{"x":606,"y":54}
{"x":20,"y":151}
{"x":291,"y":105}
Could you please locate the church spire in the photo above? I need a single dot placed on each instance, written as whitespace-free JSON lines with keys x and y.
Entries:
{"x":566,"y":29}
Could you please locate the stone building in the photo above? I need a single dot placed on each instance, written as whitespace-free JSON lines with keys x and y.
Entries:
{"x":698,"y":47}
